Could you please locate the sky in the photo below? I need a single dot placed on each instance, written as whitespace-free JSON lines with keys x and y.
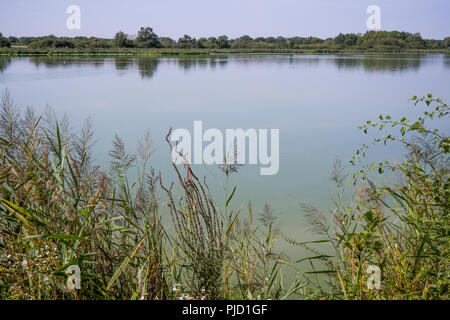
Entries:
{"x":234,"y":18}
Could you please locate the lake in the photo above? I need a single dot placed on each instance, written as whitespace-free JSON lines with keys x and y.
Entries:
{"x":316,"y":101}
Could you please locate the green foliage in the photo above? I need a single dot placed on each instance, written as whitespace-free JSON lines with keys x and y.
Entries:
{"x":4,"y":42}
{"x":147,"y":38}
{"x":223,"y":42}
{"x":371,"y":41}
{"x":58,"y":209}
{"x":69,"y":43}
{"x":401,"y":227}
{"x":121,"y":40}
{"x":187,"y":42}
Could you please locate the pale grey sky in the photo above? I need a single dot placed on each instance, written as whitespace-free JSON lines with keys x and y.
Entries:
{"x":174,"y":18}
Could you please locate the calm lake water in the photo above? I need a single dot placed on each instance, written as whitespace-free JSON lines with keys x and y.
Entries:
{"x":317,"y":102}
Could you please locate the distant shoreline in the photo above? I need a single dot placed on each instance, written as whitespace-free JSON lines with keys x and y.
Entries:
{"x":21,"y":51}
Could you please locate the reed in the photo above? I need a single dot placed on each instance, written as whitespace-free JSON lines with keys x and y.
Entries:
{"x":402,"y":228}
{"x":59,"y":209}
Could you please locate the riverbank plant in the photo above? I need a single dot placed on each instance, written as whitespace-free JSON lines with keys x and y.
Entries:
{"x":400,"y":229}
{"x":149,"y":238}
{"x":59,"y":210}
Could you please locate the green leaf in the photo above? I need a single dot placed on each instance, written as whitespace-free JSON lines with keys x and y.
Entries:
{"x":403,"y":130}
{"x":74,"y":262}
{"x":415,"y":126}
{"x":313,"y":258}
{"x":322,"y":271}
{"x":232,"y":224}
{"x":126,"y":261}
{"x":231,"y":196}
{"x":57,"y":236}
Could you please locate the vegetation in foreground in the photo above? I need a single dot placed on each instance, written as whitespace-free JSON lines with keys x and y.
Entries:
{"x":58,"y":209}
{"x":146,"y":39}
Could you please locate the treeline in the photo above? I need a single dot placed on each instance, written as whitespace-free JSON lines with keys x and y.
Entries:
{"x":147,"y":38}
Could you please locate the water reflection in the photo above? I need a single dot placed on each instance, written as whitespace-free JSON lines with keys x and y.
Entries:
{"x":147,"y":66}
{"x":66,"y":62}
{"x":4,"y":62}
{"x":123,"y":63}
{"x":390,"y":64}
{"x":447,"y":60}
{"x":188,"y":64}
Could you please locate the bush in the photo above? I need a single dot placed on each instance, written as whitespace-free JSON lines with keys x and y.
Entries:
{"x":4,"y":42}
{"x":401,"y":228}
{"x":59,"y":210}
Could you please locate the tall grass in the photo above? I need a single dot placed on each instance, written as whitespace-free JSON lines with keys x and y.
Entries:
{"x":59,"y":209}
{"x":402,"y":227}
{"x":55,"y":202}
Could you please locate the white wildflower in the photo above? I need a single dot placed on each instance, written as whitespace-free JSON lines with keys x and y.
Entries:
{"x":175,"y":287}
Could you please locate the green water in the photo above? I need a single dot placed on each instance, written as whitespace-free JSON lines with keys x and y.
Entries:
{"x":316,"y":102}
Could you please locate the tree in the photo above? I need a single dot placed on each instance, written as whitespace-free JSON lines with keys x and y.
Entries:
{"x":350,"y":39}
{"x":120,"y":39}
{"x":446,"y":43}
{"x":202,"y":43}
{"x":340,"y":39}
{"x":64,"y":43}
{"x":4,"y":41}
{"x":245,"y":38}
{"x":13,"y":40}
{"x":223,"y":42}
{"x":147,"y":38}
{"x":242,"y":42}
{"x":212,"y":43}
{"x":187,"y":42}
{"x":167,"y":42}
